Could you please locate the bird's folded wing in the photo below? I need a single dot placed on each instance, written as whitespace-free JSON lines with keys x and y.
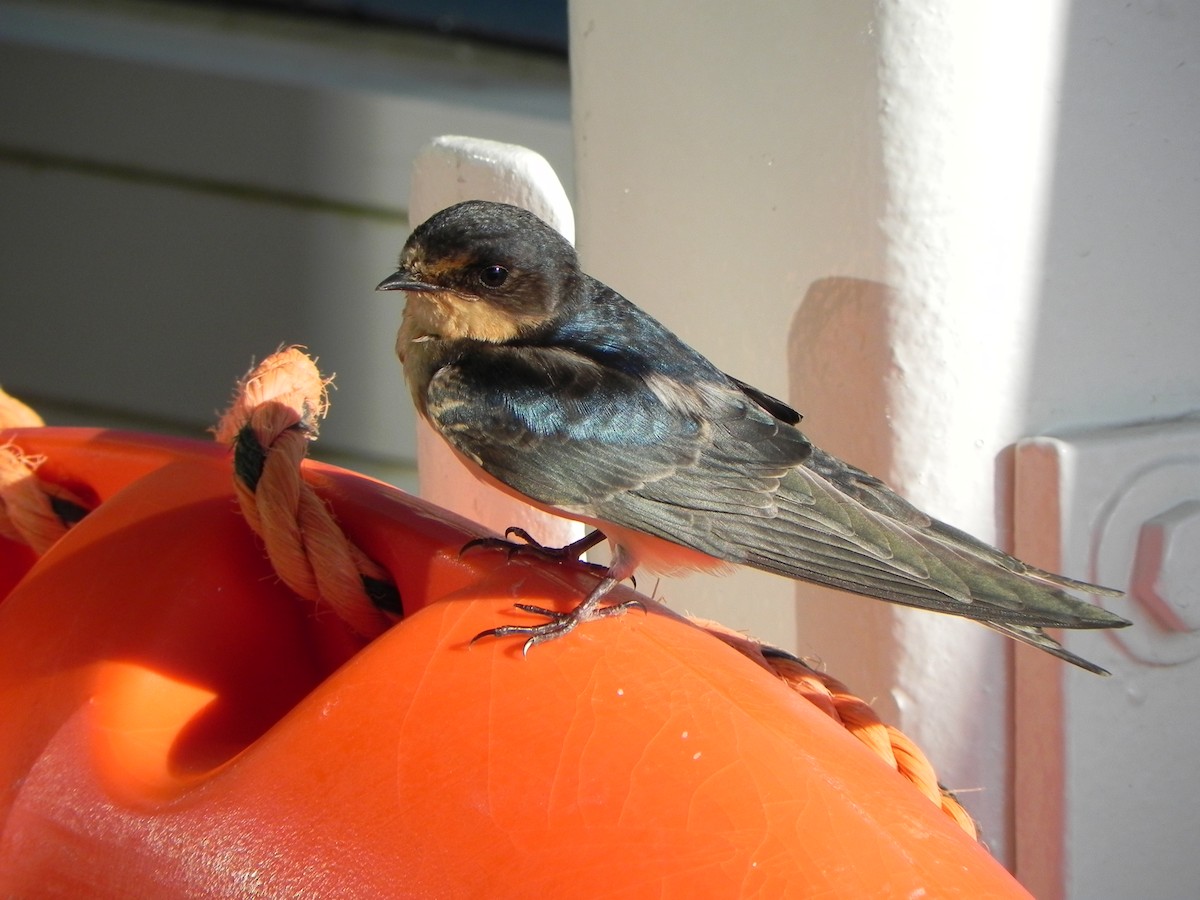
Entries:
{"x":708,"y":467}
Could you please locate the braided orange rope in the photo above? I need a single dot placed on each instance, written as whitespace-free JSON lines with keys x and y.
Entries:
{"x":32,"y":512}
{"x":834,"y":699}
{"x":269,"y":425}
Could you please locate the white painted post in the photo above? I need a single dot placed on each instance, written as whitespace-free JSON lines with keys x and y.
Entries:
{"x":448,"y":170}
{"x":753,"y":175}
{"x":968,"y":139}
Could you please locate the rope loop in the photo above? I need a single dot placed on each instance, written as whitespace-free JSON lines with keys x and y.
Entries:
{"x":273,"y":417}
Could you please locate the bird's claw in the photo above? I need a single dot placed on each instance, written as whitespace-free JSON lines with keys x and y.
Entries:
{"x":528,"y":544}
{"x":559,"y":624}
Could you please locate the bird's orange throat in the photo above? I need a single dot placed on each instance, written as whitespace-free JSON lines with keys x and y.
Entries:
{"x":453,"y":317}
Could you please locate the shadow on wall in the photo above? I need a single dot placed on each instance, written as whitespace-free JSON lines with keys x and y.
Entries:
{"x":1118,"y":317}
{"x":840,"y":363}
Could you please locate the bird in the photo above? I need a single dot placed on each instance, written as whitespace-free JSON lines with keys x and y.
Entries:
{"x":552,"y":386}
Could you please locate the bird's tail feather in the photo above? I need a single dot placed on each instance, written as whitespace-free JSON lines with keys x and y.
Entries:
{"x":1035,"y":637}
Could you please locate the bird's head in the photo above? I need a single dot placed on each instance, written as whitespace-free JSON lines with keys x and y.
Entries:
{"x":483,"y":271}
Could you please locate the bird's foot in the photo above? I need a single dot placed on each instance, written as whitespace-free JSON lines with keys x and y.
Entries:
{"x":527,"y":544}
{"x":561,"y":623}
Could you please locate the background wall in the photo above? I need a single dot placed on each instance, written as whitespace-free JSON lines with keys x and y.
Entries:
{"x":185,"y":188}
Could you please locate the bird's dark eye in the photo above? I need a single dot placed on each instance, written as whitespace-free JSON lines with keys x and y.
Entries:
{"x":493,"y":276}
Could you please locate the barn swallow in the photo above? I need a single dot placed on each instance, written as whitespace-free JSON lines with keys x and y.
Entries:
{"x":555,"y":388}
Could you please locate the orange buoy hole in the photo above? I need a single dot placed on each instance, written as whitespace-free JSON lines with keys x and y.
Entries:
{"x":148,"y":746}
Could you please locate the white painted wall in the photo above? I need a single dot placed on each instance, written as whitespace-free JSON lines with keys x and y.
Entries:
{"x":1021,"y":177}
{"x":1115,"y":342}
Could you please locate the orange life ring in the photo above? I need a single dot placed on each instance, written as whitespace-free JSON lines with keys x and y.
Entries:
{"x":175,"y":723}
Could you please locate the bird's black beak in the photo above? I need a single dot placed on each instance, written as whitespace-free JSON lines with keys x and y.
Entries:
{"x":403,"y":281}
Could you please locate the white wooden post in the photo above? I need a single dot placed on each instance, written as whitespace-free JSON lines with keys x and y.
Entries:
{"x":448,"y":170}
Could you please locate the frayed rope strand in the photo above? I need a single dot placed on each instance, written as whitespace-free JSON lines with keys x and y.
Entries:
{"x":32,"y":511}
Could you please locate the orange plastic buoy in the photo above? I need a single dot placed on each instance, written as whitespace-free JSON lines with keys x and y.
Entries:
{"x":177,"y":724}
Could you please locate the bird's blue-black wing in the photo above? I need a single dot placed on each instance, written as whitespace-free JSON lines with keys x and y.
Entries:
{"x":571,"y":433}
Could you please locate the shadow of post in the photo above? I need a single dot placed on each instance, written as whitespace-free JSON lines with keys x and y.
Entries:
{"x":839,"y":364}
